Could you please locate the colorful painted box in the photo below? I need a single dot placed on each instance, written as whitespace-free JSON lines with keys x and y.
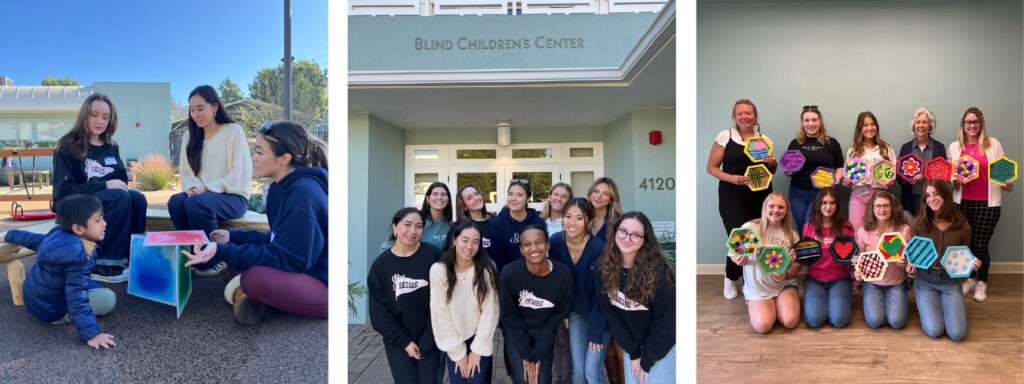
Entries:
{"x":158,"y":271}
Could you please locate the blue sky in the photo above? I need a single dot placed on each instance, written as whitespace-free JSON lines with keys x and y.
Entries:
{"x":186,"y":42}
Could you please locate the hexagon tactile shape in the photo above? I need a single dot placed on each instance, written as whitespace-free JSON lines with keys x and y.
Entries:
{"x":856,"y":169}
{"x":792,"y":160}
{"x":958,"y":261}
{"x":891,"y":246}
{"x":843,"y":249}
{"x":1002,"y":171}
{"x":760,"y":177}
{"x":757,"y":148}
{"x":871,"y":266}
{"x":807,"y":251}
{"x":921,"y":252}
{"x":909,"y":166}
{"x":965,"y":168}
{"x":883,"y":171}
{"x":742,"y":241}
{"x":823,"y":177}
{"x":938,"y":168}
{"x":773,"y":259}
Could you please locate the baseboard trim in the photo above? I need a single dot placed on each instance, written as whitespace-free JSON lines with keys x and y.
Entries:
{"x":1003,"y":267}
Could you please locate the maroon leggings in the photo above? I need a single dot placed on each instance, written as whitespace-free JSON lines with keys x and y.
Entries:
{"x":296,"y":293}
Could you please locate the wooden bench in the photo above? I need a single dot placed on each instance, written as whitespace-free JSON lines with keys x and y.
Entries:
{"x":156,"y":220}
{"x":16,"y":178}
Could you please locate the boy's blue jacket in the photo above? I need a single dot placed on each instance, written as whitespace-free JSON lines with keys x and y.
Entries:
{"x":297,"y":241}
{"x":59,"y":281}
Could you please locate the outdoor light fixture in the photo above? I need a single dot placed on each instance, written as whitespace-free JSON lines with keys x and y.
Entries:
{"x":504,"y":132}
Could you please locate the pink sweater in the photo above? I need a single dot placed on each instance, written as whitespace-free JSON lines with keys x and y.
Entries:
{"x":827,"y":269}
{"x":896,"y":271}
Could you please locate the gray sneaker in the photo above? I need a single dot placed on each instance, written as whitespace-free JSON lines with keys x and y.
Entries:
{"x":109,"y":274}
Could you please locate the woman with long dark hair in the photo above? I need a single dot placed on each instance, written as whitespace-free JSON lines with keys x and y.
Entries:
{"x":285,"y":268}
{"x":464,"y":306}
{"x":828,"y":287}
{"x":215,"y":171}
{"x":635,"y":287}
{"x":88,"y":161}
{"x":437,"y":208}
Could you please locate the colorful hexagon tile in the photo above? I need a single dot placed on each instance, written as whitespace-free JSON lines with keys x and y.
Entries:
{"x":921,"y":252}
{"x":758,"y":148}
{"x":909,"y":166}
{"x":856,"y":169}
{"x":938,"y":168}
{"x":871,"y":266}
{"x":958,"y":261}
{"x":965,"y":168}
{"x":883,"y":171}
{"x":773,"y":259}
{"x":823,"y":177}
{"x":843,"y":249}
{"x":891,"y":246}
{"x":792,"y":160}
{"x":807,"y":251}
{"x":742,"y":242}
{"x":760,"y":177}
{"x":1002,"y":171}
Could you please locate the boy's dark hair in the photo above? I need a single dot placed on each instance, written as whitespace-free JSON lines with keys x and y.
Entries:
{"x":77,"y":209}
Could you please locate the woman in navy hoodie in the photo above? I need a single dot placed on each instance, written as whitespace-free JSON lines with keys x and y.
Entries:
{"x":513,"y":218}
{"x":286,"y":268}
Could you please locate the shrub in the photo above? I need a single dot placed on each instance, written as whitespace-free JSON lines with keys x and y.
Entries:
{"x":152,"y":173}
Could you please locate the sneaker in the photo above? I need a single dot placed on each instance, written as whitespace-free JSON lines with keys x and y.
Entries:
{"x":968,"y":285}
{"x":980,"y":293}
{"x":234,"y":285}
{"x":212,"y":271}
{"x":856,"y":290}
{"x":109,"y":274}
{"x":248,"y":311}
{"x":729,"y":288}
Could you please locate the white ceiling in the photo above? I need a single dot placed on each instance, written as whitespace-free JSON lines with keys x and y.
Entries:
{"x":527,"y":105}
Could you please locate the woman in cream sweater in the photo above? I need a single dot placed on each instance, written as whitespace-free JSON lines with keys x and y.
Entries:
{"x":464,"y":306}
{"x":215,"y":182}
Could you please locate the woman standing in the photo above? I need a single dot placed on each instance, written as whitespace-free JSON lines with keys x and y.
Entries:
{"x":940,"y":301}
{"x":978,"y":200}
{"x":636,"y":291}
{"x":469,"y":206}
{"x":287,"y":267}
{"x":437,"y":208}
{"x":588,"y":332}
{"x":464,"y":306}
{"x":554,"y":207}
{"x":215,"y":173}
{"x":771,"y":297}
{"x":819,"y":150}
{"x":535,"y":295}
{"x":604,"y":196}
{"x":510,"y":221}
{"x":88,"y":161}
{"x":828,"y":287}
{"x":922,"y":125}
{"x":885,"y":300}
{"x":737,"y":204}
{"x":868,"y":146}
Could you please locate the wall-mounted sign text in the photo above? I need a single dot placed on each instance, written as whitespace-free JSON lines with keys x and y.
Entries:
{"x":470,"y":44}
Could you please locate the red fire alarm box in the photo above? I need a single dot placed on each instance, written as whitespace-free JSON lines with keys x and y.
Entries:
{"x":655,"y":137}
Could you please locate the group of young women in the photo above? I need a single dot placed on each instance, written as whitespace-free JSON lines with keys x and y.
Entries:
{"x":275,"y":268}
{"x":531,"y":274}
{"x":948,"y":213}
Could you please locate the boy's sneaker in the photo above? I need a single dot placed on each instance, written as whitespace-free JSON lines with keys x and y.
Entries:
{"x":248,"y":311}
{"x":109,"y":274}
{"x":729,"y":288}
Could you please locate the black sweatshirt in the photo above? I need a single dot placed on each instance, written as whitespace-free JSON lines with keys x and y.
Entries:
{"x":644,"y":331}
{"x":405,"y":317}
{"x":533,"y":306}
{"x":71,"y":176}
{"x":816,"y":155}
{"x":485,"y":235}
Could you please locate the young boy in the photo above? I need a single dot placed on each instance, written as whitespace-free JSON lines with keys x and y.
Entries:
{"x":58,"y":288}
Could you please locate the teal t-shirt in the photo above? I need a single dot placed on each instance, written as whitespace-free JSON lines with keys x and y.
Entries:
{"x":434,"y":233}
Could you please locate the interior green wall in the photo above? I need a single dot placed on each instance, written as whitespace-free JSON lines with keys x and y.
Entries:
{"x":847,"y":57}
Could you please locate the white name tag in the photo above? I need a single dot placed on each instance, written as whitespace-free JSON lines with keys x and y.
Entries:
{"x":109,"y":160}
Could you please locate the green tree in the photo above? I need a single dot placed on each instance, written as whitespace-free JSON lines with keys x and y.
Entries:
{"x":53,"y":81}
{"x":229,"y":91}
{"x":309,"y":87}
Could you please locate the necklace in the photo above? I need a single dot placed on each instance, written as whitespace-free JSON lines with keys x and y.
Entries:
{"x":578,"y":252}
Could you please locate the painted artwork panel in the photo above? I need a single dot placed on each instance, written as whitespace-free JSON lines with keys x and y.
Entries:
{"x":966,"y":168}
{"x":1002,"y":171}
{"x":921,"y":252}
{"x":843,"y":249}
{"x":871,"y":266}
{"x":891,"y":246}
{"x":958,"y":261}
{"x":807,"y":251}
{"x":938,"y":168}
{"x":760,"y":177}
{"x":883,"y":171}
{"x":152,"y":272}
{"x":855,"y":169}
{"x":773,"y":259}
{"x":757,"y":148}
{"x":742,"y":242}
{"x":909,"y":166}
{"x":823,"y":177}
{"x":175,"y":238}
{"x":792,"y":160}
{"x":184,"y":279}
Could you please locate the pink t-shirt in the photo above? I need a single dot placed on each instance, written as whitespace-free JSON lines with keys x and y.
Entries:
{"x":827,"y":269}
{"x":976,"y":189}
{"x":895,"y":272}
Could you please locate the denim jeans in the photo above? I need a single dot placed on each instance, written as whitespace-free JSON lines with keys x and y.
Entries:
{"x":587,"y":367}
{"x":802,"y":201}
{"x":940,"y":302}
{"x":663,"y":371}
{"x":885,"y":304}
{"x":827,"y":300}
{"x":478,"y":377}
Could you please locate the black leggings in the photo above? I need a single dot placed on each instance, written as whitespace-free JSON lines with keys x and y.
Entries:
{"x":982,"y":219}
{"x":405,"y":369}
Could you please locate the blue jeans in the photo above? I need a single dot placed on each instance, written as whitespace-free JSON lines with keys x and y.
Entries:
{"x":587,"y":367}
{"x":827,"y":300}
{"x":515,"y":364}
{"x":885,"y":304}
{"x":802,"y":201}
{"x":663,"y":371}
{"x":204,"y":211}
{"x":940,"y":302}
{"x":478,"y":377}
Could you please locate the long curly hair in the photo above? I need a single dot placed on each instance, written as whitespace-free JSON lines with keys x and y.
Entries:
{"x":647,"y":264}
{"x":485,"y":273}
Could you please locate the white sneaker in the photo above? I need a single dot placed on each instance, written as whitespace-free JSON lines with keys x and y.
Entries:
{"x":968,"y":285}
{"x":980,"y":293}
{"x":729,"y":288}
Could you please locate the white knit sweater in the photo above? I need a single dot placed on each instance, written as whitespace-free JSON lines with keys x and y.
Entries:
{"x":462,"y":318}
{"x":226,"y":163}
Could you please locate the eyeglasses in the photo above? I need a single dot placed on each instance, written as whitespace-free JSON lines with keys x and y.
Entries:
{"x":632,"y":237}
{"x":519,"y":181}
{"x":882,"y":206}
{"x":809,"y":107}
{"x":972,"y":122}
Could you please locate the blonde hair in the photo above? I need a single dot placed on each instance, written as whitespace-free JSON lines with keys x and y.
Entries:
{"x":983,"y":141}
{"x":614,"y":209}
{"x":546,"y":211}
{"x":801,"y":136}
{"x":757,"y":128}
{"x":761,"y":224}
